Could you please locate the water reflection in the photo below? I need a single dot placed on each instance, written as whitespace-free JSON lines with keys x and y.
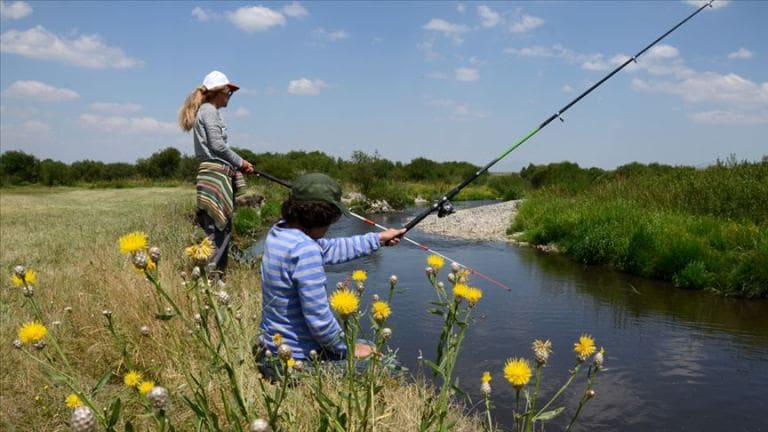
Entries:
{"x":676,"y":359}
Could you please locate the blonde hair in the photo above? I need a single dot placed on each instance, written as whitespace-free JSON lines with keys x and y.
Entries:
{"x":188,"y":110}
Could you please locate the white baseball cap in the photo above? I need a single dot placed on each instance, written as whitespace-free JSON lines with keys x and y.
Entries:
{"x":217,"y":79}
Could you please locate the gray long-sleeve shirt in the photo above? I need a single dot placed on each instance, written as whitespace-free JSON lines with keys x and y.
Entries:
{"x":211,"y":137}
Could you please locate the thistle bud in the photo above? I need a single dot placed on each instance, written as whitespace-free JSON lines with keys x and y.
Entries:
{"x":223,"y":297}
{"x":429,"y":271}
{"x":107,"y":313}
{"x":17,"y":344}
{"x":268,"y":354}
{"x":485,"y":389}
{"x":393,"y":280}
{"x":339,"y":285}
{"x":144,"y":330}
{"x":158,"y":397}
{"x":83,"y":420}
{"x":196,"y":272}
{"x":259,"y":425}
{"x":452,"y":277}
{"x":599,"y":358}
{"x":590,"y":394}
{"x":386,"y":333}
{"x":154,"y":254}
{"x":168,"y":310}
{"x":284,"y":352}
{"x":455,"y":267}
{"x":541,"y":350}
{"x":441,"y":285}
{"x":140,"y":260}
{"x":313,"y":354}
{"x":20,"y":271}
{"x":299,"y":365}
{"x":238,"y":316}
{"x":376,"y":297}
{"x":198,"y":319}
{"x":360,"y":287}
{"x":28,"y":290}
{"x":40,"y":344}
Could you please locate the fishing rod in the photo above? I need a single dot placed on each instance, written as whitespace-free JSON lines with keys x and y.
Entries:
{"x":421,"y":246}
{"x":443,"y":205}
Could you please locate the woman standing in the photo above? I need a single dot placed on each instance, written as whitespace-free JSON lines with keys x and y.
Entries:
{"x":219,"y":176}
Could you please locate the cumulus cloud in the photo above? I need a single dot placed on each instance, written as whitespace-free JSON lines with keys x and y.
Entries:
{"x":488,"y":17}
{"x":730,"y":89}
{"x":447,"y":29}
{"x":295,"y":10}
{"x":86,"y":51}
{"x":35,"y":127}
{"x":567,"y":89}
{"x":127,"y":125}
{"x":115,"y":107}
{"x":586,"y":61}
{"x":729,"y":117}
{"x":306,"y":87}
{"x":36,"y":90}
{"x":329,"y":35}
{"x":525,"y":23}
{"x":715,"y":5}
{"x":256,"y":18}
{"x":14,"y":10}
{"x":456,"y":110}
{"x":204,"y":15}
{"x":466,"y":74}
{"x":741,"y":54}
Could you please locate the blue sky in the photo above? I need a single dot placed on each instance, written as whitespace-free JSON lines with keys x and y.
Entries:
{"x":443,"y":80}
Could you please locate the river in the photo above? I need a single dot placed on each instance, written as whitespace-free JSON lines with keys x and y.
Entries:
{"x":675,"y":360}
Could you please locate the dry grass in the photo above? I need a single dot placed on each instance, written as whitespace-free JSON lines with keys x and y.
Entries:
{"x":69,"y":236}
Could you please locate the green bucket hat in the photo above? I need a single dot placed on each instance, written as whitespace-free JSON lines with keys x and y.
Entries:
{"x":317,"y":187}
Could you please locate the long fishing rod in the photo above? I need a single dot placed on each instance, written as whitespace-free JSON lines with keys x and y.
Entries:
{"x":383,"y":228}
{"x":444,"y":207}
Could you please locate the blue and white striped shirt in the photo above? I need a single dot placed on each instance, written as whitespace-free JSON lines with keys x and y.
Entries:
{"x":294,"y":301}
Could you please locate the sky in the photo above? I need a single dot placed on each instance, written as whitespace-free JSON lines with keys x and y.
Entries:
{"x":449,"y":81}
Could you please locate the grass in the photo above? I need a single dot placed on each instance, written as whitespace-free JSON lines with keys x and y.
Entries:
{"x":69,"y":236}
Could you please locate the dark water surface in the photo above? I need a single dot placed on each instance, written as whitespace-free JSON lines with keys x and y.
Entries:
{"x":676,"y":360}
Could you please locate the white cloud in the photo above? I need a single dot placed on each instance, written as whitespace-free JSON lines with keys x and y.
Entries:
{"x":256,"y":18}
{"x":456,"y":110}
{"x":295,"y":10}
{"x":305,"y":87}
{"x":730,"y":89}
{"x":330,"y":35}
{"x":204,"y":15}
{"x":14,"y":10}
{"x":567,"y":89}
{"x":525,"y":23}
{"x":730,"y":117}
{"x":115,"y":107}
{"x":466,"y":74}
{"x":35,"y":127}
{"x":488,"y":17}
{"x":86,"y":51}
{"x":741,"y":54}
{"x":715,"y":5}
{"x":127,"y":125}
{"x":242,"y":112}
{"x":40,"y":91}
{"x":460,"y":8}
{"x":443,"y":26}
{"x":586,"y":61}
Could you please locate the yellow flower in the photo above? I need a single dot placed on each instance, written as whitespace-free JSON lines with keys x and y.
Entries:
{"x":518,"y":372}
{"x":290,"y":363}
{"x":435,"y":261}
{"x":359,"y":276}
{"x":486,"y":377}
{"x":146,"y":386}
{"x":585,"y":347}
{"x":380,"y":310}
{"x":200,"y":251}
{"x":31,"y":332}
{"x":473,"y":295}
{"x":73,"y":401}
{"x":132,"y":378}
{"x":133,"y":242}
{"x":460,"y":291}
{"x":30,"y":277}
{"x":345,"y":303}
{"x":277,"y":339}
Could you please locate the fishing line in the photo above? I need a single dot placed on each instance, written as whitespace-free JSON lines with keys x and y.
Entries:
{"x":444,"y":207}
{"x":383,"y":228}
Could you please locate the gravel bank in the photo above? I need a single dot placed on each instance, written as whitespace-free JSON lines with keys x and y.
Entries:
{"x":486,"y":223}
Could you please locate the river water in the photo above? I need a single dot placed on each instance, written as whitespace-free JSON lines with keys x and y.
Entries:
{"x":675,"y":360}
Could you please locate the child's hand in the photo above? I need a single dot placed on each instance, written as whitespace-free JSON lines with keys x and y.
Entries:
{"x":391,"y":236}
{"x":363,"y":350}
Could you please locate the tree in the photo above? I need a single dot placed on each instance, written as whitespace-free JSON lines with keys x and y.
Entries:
{"x":163,"y":164}
{"x":17,"y":167}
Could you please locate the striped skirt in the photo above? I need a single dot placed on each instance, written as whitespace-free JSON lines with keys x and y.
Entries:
{"x":218,"y":185}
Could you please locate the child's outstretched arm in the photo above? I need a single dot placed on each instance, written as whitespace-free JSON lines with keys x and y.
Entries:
{"x":391,"y":237}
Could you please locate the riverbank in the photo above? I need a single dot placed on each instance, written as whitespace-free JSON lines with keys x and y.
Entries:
{"x":484,"y":223}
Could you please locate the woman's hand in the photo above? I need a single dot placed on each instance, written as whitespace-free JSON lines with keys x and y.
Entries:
{"x":246,"y":167}
{"x":391,"y":237}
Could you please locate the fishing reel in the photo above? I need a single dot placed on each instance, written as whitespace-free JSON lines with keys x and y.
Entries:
{"x":445,"y":208}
